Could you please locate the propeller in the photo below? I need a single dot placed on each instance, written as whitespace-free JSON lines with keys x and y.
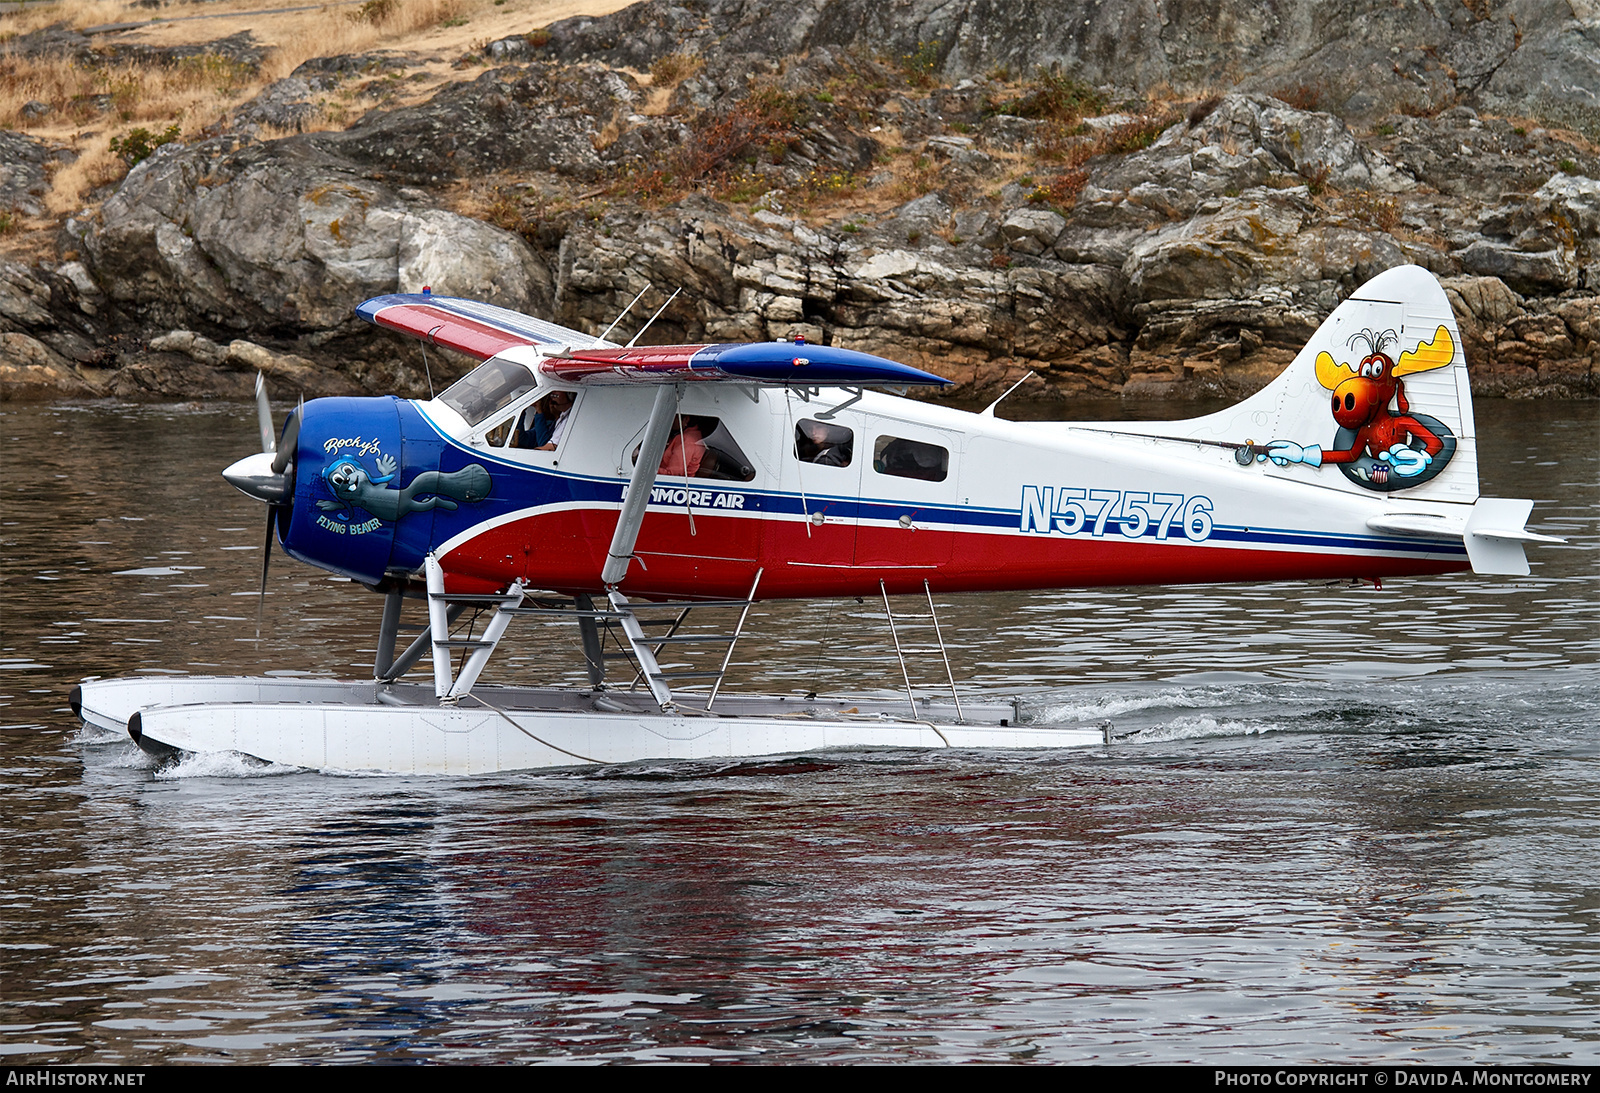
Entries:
{"x":268,"y":476}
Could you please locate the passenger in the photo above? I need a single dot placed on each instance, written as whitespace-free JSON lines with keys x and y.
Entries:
{"x":828,"y":445}
{"x":560,"y":402}
{"x":686,"y":448}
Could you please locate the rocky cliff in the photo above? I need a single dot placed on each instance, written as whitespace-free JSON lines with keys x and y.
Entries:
{"x":1167,"y":208}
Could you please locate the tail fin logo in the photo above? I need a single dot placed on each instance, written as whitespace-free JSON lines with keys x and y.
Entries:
{"x":1376,"y":447}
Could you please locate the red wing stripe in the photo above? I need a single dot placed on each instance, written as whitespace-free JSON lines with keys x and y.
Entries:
{"x":649,"y":357}
{"x":469,"y":336}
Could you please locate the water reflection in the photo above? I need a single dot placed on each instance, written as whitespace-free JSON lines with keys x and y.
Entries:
{"x":1338,"y":823}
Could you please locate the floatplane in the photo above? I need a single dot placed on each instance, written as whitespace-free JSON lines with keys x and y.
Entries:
{"x":636,"y":490}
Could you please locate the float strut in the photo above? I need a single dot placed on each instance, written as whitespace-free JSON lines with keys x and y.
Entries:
{"x":644,"y":476}
{"x":589,"y":628}
{"x":423,"y":642}
{"x":386,"y":633}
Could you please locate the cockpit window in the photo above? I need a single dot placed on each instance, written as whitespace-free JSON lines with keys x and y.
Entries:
{"x":490,"y":387}
{"x":823,"y":442}
{"x":702,"y":447}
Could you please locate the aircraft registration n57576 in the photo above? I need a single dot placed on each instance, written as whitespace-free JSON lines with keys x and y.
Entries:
{"x":568,"y":476}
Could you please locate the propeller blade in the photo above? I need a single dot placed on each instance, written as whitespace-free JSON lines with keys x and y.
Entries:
{"x":264,"y":416}
{"x":266,"y":552}
{"x":291,"y":439}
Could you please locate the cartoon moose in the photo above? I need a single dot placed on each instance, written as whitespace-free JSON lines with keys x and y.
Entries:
{"x":1381,"y":443}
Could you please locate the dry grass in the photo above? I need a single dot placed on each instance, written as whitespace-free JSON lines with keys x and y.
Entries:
{"x":538,"y":216}
{"x":1052,"y":96}
{"x":91,"y":104}
{"x":725,"y":143}
{"x":199,"y":91}
{"x":370,"y":25}
{"x":915,"y":176}
{"x":673,"y":68}
{"x":1376,"y":209}
{"x":1062,"y":188}
{"x":95,"y":167}
{"x":193,"y":93}
{"x":1300,"y":96}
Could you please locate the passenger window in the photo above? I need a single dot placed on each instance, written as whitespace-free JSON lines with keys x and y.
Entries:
{"x":823,"y":442}
{"x":702,"y":447}
{"x":902,"y":458}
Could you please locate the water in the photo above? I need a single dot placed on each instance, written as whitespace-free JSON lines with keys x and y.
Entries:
{"x":1338,"y":824}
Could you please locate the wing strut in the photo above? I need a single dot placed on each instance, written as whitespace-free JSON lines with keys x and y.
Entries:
{"x":644,"y":476}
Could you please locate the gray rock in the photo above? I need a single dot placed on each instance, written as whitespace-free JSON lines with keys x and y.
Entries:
{"x":28,"y":367}
{"x":247,"y":356}
{"x":78,"y":274}
{"x":1387,"y":54}
{"x":284,"y":237}
{"x":1486,"y":299}
{"x":1032,"y":231}
{"x":24,"y":173}
{"x":190,"y":344}
{"x":514,"y":48}
{"x":239,"y":49}
{"x":1195,"y":265}
{"x":540,"y":118}
{"x":1576,"y":200}
{"x":286,"y":104}
{"x":24,"y":298}
{"x":1541,"y":271}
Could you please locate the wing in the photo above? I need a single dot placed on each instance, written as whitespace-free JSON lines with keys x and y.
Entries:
{"x":770,"y":363}
{"x":1428,"y":355}
{"x":476,"y":329}
{"x":484,"y":330}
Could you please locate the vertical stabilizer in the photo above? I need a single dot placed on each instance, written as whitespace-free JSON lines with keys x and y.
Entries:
{"x":1377,"y":402}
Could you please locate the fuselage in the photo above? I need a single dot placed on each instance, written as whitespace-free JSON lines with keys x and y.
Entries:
{"x":823,"y":493}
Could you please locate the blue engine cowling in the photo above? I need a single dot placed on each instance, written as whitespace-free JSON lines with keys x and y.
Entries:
{"x":356,"y":485}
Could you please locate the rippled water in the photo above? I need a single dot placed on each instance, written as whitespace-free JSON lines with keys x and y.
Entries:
{"x":1337,"y":824}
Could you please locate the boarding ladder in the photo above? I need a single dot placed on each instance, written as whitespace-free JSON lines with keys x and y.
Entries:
{"x":644,"y":632}
{"x":919,"y":621}
{"x":443,"y":610}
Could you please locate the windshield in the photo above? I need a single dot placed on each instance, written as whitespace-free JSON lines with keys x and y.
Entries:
{"x":492,"y":386}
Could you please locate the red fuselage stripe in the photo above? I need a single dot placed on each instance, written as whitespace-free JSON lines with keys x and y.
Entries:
{"x":565,"y":551}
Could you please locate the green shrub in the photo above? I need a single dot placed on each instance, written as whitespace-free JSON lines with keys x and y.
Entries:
{"x":921,"y":67}
{"x":136,"y":145}
{"x":1053,"y":96}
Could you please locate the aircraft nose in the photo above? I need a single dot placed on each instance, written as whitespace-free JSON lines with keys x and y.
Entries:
{"x":253,"y":476}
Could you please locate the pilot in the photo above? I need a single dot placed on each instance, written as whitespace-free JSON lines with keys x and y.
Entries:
{"x":558,"y":403}
{"x":536,"y":424}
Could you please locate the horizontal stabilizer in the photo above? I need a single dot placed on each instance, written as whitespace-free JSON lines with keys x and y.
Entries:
{"x":477,"y":329}
{"x":1495,"y":533}
{"x":776,"y":363}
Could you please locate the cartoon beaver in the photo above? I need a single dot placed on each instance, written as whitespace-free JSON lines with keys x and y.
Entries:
{"x":350,"y":483}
